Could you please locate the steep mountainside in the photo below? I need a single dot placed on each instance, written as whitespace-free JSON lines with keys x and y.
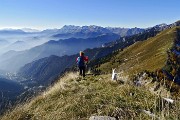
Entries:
{"x":8,"y":87}
{"x":45,"y":70}
{"x":144,"y":55}
{"x":9,"y":90}
{"x":158,"y":56}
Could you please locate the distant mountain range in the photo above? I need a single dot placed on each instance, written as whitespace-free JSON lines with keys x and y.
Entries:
{"x":11,"y":31}
{"x":33,"y":37}
{"x":103,"y":37}
{"x":77,"y":38}
{"x":72,"y":31}
{"x":46,"y":69}
{"x":18,"y":45}
{"x":13,"y":61}
{"x":69,"y":31}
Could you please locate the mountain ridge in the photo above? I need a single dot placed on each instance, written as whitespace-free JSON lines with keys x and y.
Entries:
{"x":149,"y":30}
{"x":93,"y":31}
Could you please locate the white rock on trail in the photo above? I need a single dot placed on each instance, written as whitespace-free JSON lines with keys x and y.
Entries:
{"x":101,"y":118}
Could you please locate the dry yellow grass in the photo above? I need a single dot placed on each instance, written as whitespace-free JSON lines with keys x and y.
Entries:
{"x":73,"y":98}
{"x":148,"y":55}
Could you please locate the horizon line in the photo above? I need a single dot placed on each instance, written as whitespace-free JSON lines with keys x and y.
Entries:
{"x":47,"y":28}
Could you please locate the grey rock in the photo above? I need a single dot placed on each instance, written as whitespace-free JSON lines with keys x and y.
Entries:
{"x":101,"y":118}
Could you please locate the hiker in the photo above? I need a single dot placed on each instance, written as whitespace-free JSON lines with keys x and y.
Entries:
{"x":81,"y":63}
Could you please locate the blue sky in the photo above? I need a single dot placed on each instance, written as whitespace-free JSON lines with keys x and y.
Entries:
{"x":42,"y":14}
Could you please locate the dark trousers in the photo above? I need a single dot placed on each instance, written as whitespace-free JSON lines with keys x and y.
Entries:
{"x":82,"y":71}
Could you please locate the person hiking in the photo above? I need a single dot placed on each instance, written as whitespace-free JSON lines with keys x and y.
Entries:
{"x":81,"y":63}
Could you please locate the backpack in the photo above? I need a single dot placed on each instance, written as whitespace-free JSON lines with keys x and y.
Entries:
{"x":80,"y":61}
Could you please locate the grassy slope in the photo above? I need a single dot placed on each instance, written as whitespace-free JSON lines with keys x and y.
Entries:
{"x":144,"y":55}
{"x":73,"y":98}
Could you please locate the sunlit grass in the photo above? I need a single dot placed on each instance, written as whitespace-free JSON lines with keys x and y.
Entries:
{"x":75,"y":98}
{"x":148,"y":55}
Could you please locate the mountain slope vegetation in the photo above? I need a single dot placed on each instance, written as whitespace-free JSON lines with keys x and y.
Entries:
{"x":8,"y":91}
{"x":150,"y":54}
{"x":76,"y":98}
